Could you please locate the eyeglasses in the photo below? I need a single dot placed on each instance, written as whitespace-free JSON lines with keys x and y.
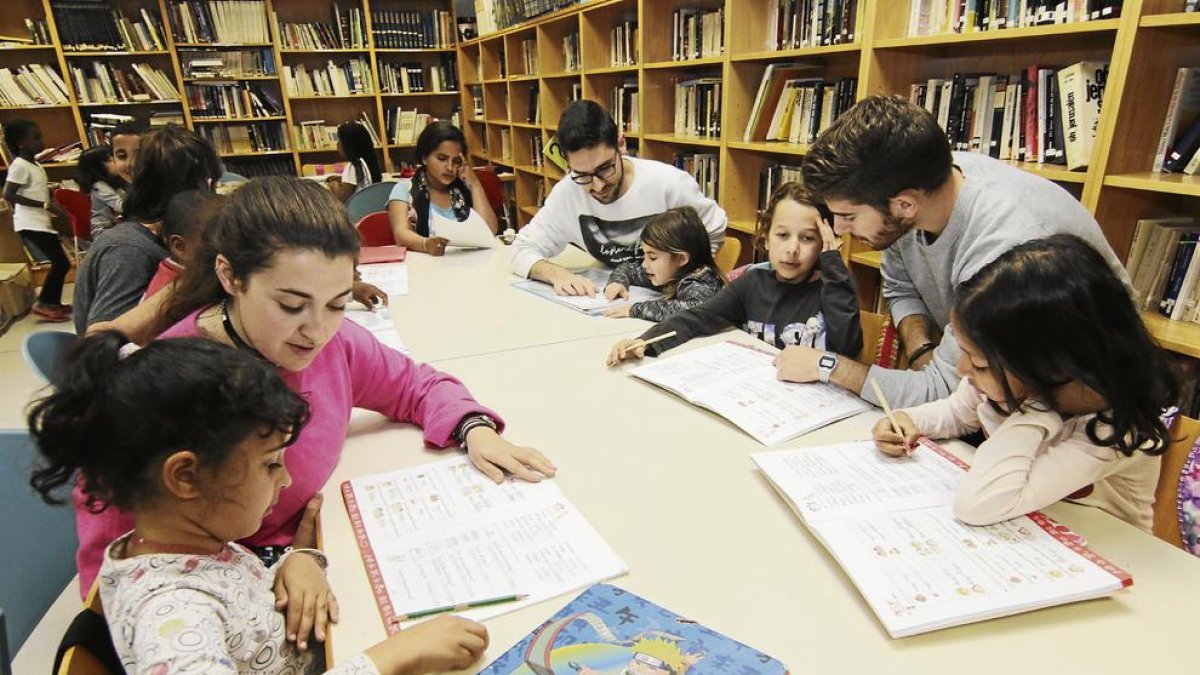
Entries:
{"x":605,"y":172}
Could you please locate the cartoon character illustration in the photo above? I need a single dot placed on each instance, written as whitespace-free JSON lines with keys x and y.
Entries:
{"x":647,"y":653}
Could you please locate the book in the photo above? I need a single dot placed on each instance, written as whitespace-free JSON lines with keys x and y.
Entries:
{"x":593,"y":305}
{"x":372,"y":255}
{"x":443,"y":534}
{"x":1182,"y":110}
{"x":889,"y":524}
{"x":739,"y":382}
{"x":609,"y":629}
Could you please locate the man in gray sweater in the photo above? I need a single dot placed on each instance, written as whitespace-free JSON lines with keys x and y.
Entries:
{"x":886,"y":171}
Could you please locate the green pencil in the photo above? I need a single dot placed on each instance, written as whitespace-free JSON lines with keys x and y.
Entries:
{"x":461,"y":607}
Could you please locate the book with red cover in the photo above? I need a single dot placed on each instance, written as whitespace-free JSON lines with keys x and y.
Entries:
{"x":369,"y":255}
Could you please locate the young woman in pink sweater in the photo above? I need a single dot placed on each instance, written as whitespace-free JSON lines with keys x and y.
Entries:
{"x":284,"y":252}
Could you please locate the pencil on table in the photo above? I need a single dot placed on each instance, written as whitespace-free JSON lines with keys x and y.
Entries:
{"x":638,"y":344}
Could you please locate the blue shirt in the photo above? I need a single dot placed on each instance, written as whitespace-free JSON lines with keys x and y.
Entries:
{"x":403,"y":193}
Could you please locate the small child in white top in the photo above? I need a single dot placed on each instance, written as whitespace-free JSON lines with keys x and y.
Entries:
{"x":201,"y":471}
{"x":1058,"y":370}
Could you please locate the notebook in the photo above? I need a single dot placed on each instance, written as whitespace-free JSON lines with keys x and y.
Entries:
{"x":392,"y":278}
{"x":592,"y":305}
{"x":470,"y":233}
{"x":371,"y":255}
{"x":739,"y":382}
{"x":443,"y":534}
{"x":890,"y":525}
{"x":610,"y":630}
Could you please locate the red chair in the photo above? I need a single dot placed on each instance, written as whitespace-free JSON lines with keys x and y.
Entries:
{"x":79,"y":207}
{"x":495,"y":194}
{"x":374,"y":229}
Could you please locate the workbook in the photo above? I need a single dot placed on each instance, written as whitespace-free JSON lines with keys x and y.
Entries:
{"x":392,"y":278}
{"x":379,"y":322}
{"x":593,"y":304}
{"x":610,"y":630}
{"x":889,"y":522}
{"x":470,"y":233}
{"x":444,"y":535}
{"x":739,"y":382}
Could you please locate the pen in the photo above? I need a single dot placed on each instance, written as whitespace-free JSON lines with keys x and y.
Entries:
{"x":460,"y":607}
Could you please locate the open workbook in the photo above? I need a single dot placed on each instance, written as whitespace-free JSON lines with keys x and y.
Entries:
{"x":890,"y":524}
{"x":442,"y":534}
{"x":739,"y":382}
{"x":588,"y":304}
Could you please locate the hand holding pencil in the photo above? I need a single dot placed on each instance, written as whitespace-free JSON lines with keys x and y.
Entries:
{"x":895,"y":435}
{"x":627,"y":349}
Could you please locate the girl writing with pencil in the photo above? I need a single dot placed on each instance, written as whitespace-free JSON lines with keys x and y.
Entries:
{"x":803,"y":295}
{"x":203,"y":469}
{"x":1058,"y":370}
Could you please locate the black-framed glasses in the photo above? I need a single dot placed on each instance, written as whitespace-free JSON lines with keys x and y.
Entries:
{"x":605,"y":172}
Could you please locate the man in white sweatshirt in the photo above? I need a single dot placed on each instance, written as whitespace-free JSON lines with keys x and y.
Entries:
{"x":603,"y":202}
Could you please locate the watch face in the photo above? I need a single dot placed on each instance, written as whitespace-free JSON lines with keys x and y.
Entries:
{"x":827,"y":361}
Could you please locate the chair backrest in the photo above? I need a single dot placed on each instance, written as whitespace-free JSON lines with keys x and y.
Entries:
{"x":727,"y":256}
{"x":231,"y":177}
{"x":39,"y":559}
{"x":79,"y":207}
{"x":491,"y":187}
{"x":369,"y":200}
{"x":44,"y":351}
{"x":375,"y":229}
{"x":1166,"y":514}
{"x":87,"y":648}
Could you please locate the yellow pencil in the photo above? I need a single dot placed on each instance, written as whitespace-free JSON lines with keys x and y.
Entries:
{"x":887,"y":410}
{"x":643,"y":343}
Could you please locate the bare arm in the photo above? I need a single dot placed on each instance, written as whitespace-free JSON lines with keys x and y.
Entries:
{"x":916,"y":330}
{"x":402,"y":230}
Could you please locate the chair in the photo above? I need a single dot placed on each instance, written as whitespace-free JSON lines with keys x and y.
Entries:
{"x":44,"y":350}
{"x":375,"y":229}
{"x":727,"y":256}
{"x":79,"y":207}
{"x":1166,"y":514}
{"x":39,"y":558}
{"x":495,"y":194}
{"x":231,"y":177}
{"x":369,"y":200}
{"x":87,"y":647}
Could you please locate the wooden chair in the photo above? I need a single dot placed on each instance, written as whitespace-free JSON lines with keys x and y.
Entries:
{"x":727,"y":256}
{"x":87,"y":647}
{"x":1166,"y":520}
{"x":375,"y":229}
{"x":880,"y":340}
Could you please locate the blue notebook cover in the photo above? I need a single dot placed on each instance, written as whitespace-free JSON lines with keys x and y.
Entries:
{"x":610,"y":631}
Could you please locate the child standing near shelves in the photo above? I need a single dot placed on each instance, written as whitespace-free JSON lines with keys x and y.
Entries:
{"x":677,"y":259}
{"x":354,"y":145}
{"x":99,"y":179}
{"x":179,"y":594}
{"x":28,"y":190}
{"x":1058,"y":370}
{"x":803,"y":295}
{"x":445,"y":184}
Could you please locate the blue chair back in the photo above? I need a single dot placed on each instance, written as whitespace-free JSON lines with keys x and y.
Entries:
{"x":369,"y":200}
{"x":231,"y":177}
{"x":44,"y":352}
{"x":39,"y":557}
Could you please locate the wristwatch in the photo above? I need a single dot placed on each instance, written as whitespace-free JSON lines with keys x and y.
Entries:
{"x":470,"y":422}
{"x":825,"y":366}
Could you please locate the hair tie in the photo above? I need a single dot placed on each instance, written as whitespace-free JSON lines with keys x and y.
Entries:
{"x":126,"y":349}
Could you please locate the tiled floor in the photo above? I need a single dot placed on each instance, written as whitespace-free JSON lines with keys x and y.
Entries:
{"x":20,"y":385}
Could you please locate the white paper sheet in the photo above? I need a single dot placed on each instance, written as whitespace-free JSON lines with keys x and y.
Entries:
{"x":470,"y":233}
{"x":391,"y":277}
{"x":593,"y":304}
{"x":380,"y":323}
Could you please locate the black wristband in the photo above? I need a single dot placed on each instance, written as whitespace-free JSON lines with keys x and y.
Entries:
{"x":921,"y":351}
{"x":466,"y":424}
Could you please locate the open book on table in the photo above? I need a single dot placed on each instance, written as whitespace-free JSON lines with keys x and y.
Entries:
{"x":890,"y":525}
{"x":739,"y":382}
{"x":594,"y":304}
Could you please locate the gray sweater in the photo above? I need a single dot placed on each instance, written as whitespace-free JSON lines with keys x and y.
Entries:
{"x":998,"y":207}
{"x":115,"y":273}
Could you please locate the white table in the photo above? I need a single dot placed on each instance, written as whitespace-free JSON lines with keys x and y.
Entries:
{"x":673,"y":490}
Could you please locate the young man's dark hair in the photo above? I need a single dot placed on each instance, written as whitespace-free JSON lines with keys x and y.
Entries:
{"x":878,"y":148}
{"x":585,"y":124}
{"x":128,"y":128}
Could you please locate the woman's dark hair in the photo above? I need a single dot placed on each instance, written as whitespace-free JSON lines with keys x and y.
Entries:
{"x":795,"y":191}
{"x":262,"y":218}
{"x":92,"y":169}
{"x":437,"y":133}
{"x":1051,"y":311}
{"x":878,"y":148}
{"x":114,"y":419}
{"x":169,"y":161}
{"x":584,"y":124}
{"x":190,"y":213}
{"x":357,"y":144}
{"x":15,"y":133}
{"x":680,"y":230}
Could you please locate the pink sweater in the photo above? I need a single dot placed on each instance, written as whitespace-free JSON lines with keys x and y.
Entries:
{"x":353,"y":371}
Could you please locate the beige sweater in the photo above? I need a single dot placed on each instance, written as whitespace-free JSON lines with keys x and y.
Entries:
{"x":1032,"y":459}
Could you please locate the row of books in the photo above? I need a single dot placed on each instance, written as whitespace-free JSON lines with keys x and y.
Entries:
{"x":704,"y":167}
{"x":1164,"y":268}
{"x":533,"y":113}
{"x":97,"y":25}
{"x":623,"y":102}
{"x":108,"y":83}
{"x":32,"y":84}
{"x":1180,"y":137}
{"x":934,"y":17}
{"x":537,"y":155}
{"x":796,"y":109}
{"x":409,"y":78}
{"x":771,"y":178}
{"x":623,"y":44}
{"x":227,"y":99}
{"x":413,"y":30}
{"x":813,"y":23}
{"x":1042,"y":114}
{"x":698,"y":107}
{"x":697,"y":33}
{"x":571,"y":59}
{"x":39,"y":34}
{"x":240,"y":139}
{"x":494,"y":15}
{"x":404,"y":126}
{"x":228,"y":63}
{"x":529,"y":56}
{"x":99,"y":127}
{"x":345,"y":79}
{"x":346,"y":33}
{"x":265,"y":166}
{"x":314,"y":135}
{"x":219,"y":21}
